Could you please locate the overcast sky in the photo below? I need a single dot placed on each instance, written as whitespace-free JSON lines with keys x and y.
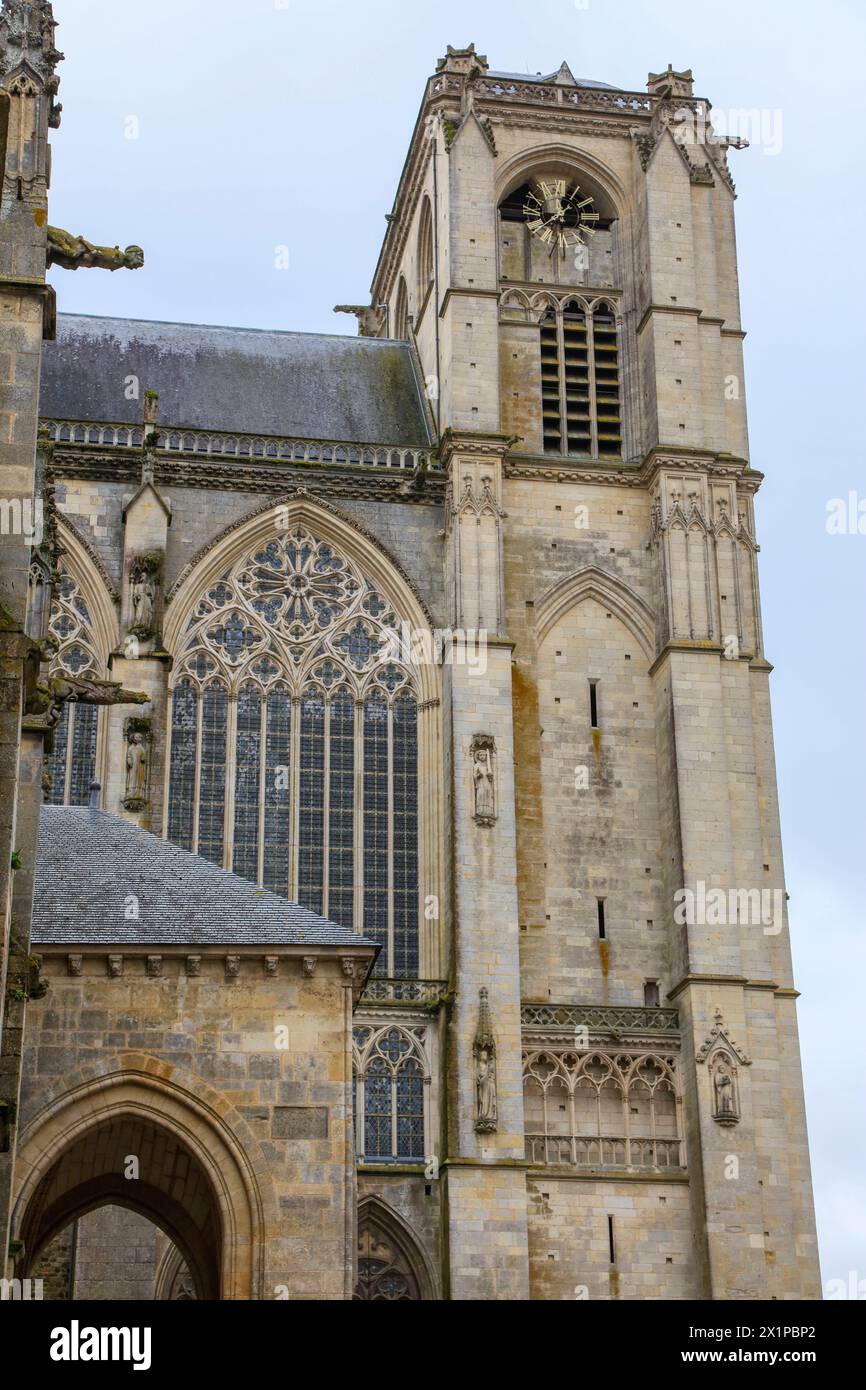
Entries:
{"x":262,"y":124}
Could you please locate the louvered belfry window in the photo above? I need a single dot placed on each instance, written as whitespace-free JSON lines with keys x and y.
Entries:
{"x":580,"y":381}
{"x":294,"y":741}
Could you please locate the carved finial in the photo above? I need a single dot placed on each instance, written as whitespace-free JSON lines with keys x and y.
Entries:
{"x":463,"y":61}
{"x":484,"y":1031}
{"x":671,"y":83}
{"x":484,"y":1056}
{"x":27,"y":42}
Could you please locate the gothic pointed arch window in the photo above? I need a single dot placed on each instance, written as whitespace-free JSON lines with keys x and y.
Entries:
{"x":293,"y":756}
{"x":72,"y":764}
{"x":425,"y":253}
{"x":391,"y":1077}
{"x":401,"y":311}
{"x":391,"y":1268}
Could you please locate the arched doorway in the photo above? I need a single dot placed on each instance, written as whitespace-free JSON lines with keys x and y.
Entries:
{"x":127,"y":1161}
{"x":136,"y":1140}
{"x":391,"y":1267}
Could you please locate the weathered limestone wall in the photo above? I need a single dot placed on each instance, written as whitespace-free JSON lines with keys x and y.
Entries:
{"x":285,"y":1098}
{"x":115,"y":1256}
{"x":569,"y":1240}
{"x":200,"y":515}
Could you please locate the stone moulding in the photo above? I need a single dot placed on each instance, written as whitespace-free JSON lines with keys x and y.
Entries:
{"x":212,"y":444}
{"x":365,"y":484}
{"x":422,"y":993}
{"x":560,"y":1023}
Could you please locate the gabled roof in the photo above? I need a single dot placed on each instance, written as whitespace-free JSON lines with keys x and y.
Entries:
{"x":551,"y":77}
{"x":235,"y":380}
{"x":89,"y":863}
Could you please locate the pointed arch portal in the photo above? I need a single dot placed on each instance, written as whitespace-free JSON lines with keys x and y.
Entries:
{"x":134,"y":1141}
{"x":391,"y":1265}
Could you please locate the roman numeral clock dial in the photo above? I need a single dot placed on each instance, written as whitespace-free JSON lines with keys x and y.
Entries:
{"x":559,"y":216}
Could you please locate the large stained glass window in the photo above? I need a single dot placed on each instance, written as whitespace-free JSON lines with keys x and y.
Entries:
{"x":71,"y":766}
{"x":294,"y":741}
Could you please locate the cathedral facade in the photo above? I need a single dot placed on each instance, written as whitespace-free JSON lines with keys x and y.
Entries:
{"x":450,"y":634}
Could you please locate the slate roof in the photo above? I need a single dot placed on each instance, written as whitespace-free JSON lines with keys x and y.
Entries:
{"x":244,"y":380}
{"x":88,"y":862}
{"x":548,"y":77}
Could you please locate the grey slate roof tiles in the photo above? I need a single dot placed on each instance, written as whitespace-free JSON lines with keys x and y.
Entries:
{"x":89,"y":862}
{"x":235,"y":380}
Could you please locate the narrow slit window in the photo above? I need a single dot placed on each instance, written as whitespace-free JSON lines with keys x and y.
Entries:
{"x":611,"y":1240}
{"x":602,"y":926}
{"x":593,"y":704}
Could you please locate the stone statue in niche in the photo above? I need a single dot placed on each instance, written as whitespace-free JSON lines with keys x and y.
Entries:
{"x":484,"y":779}
{"x":726,"y":1107}
{"x":137,"y":734}
{"x":136,"y":766}
{"x":143,"y":598}
{"x":484,"y":1057}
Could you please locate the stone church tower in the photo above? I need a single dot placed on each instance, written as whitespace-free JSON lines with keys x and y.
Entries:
{"x":451,"y":634}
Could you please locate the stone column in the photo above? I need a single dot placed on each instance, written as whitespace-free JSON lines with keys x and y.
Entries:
{"x":485,"y":1171}
{"x":28,"y":86}
{"x":135,"y":759}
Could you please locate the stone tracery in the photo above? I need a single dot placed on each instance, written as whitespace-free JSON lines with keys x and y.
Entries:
{"x":72,"y":765}
{"x":602,"y":1109}
{"x":294,"y":750}
{"x":392,"y":1077}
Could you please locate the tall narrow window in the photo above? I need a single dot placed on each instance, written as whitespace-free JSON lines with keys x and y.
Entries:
{"x":376,"y":826}
{"x":247,"y":773}
{"x":311,"y":801}
{"x":607,"y":383}
{"x":575,"y":370}
{"x":341,"y":810}
{"x":425,"y":252}
{"x":401,"y":311}
{"x":602,"y":924}
{"x":611,"y":1240}
{"x":72,"y":764}
{"x":184,"y":720}
{"x":405,"y":836}
{"x":550,"y":385}
{"x":593,"y":704}
{"x":214,"y":731}
{"x":275,"y":874}
{"x":580,"y":383}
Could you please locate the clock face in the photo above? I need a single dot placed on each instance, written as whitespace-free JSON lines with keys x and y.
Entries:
{"x":560,"y":216}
